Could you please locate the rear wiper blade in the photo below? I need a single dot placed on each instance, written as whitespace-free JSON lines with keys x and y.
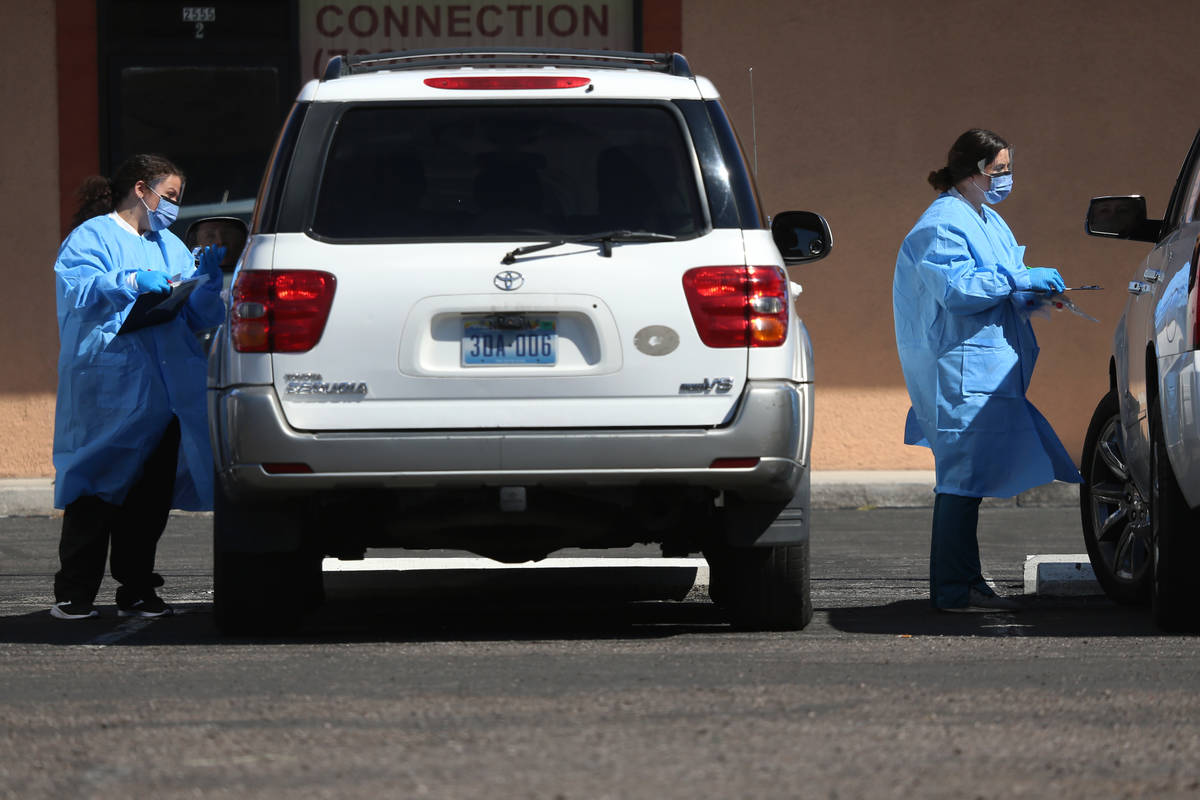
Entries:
{"x":605,"y":240}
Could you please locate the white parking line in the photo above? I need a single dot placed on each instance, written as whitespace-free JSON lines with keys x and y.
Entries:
{"x":374,"y":564}
{"x":126,"y":629}
{"x":472,"y":564}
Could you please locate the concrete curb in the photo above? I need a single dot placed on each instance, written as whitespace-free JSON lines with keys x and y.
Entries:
{"x":831,"y":489}
{"x":26,"y":497}
{"x":865,"y":489}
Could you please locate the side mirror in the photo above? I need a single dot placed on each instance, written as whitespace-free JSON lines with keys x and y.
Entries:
{"x":228,"y":232}
{"x":1121,"y":218}
{"x":801,"y":236}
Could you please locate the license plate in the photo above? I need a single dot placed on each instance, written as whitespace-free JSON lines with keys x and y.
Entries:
{"x":488,"y":341}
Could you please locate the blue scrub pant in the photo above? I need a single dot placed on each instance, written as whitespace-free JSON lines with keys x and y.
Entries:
{"x":954,"y":551}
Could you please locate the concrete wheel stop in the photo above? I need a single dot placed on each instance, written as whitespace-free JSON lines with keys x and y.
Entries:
{"x":1068,"y":575}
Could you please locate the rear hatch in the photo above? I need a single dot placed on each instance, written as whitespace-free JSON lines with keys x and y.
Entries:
{"x":435,"y":323}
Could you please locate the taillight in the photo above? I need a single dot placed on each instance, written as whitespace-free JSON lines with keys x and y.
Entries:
{"x":1194,"y":311}
{"x":1194,"y":298}
{"x":738,"y":306}
{"x":488,"y":82}
{"x":280,"y":311}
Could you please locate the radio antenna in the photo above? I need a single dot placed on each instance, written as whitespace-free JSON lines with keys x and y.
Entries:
{"x":753,"y":123}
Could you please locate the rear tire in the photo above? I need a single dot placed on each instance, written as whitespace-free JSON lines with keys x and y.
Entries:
{"x":1176,"y":540}
{"x":264,"y":593}
{"x":260,"y":593}
{"x":762,"y":588}
{"x":1113,"y":512}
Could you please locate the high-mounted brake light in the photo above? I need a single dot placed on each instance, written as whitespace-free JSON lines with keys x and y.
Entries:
{"x":280,"y":311}
{"x":738,"y":306}
{"x":488,"y":82}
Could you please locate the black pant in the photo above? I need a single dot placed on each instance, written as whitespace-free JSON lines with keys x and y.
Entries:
{"x":134,"y":528}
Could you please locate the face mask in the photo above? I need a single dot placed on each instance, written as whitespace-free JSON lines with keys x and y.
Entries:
{"x":161,"y":217}
{"x":999,"y":188}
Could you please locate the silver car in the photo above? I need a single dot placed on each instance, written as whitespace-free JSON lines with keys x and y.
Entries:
{"x":1140,"y":501}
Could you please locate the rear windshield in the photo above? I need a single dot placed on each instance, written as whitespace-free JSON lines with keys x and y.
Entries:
{"x":419,"y":172}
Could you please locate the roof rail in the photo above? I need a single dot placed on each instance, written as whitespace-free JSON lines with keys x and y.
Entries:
{"x":670,"y":63}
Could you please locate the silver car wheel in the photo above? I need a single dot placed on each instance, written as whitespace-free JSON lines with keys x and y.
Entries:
{"x":1120,"y":514}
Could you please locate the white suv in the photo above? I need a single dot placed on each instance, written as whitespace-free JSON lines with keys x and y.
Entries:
{"x":511,"y":301}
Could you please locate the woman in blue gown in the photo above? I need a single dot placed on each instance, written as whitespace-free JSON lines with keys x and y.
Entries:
{"x":130,"y":424}
{"x":961,"y":298}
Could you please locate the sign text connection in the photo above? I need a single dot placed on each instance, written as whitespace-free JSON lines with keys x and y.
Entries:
{"x":355,"y":28}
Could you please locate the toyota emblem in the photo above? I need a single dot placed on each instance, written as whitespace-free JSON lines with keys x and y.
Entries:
{"x":508,"y":280}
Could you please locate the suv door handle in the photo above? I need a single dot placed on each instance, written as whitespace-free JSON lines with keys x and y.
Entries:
{"x":1137,"y":287}
{"x":1152,"y":275}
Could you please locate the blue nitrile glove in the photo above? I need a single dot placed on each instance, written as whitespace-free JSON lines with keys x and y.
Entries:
{"x":152,"y":281}
{"x":1045,"y":279}
{"x":208,"y":262}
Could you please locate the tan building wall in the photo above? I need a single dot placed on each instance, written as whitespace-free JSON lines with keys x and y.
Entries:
{"x":858,"y":100}
{"x":29,"y":237}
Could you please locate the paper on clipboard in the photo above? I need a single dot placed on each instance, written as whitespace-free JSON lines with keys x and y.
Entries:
{"x":155,"y":309}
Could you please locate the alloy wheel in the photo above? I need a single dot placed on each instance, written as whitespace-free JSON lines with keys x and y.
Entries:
{"x":1120,"y":514}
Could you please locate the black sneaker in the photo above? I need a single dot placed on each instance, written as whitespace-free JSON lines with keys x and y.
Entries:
{"x":980,"y":601}
{"x":149,"y":606}
{"x":68,"y":610}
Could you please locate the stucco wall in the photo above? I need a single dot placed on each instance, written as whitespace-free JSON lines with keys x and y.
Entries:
{"x":29,"y":237}
{"x":857,"y":101}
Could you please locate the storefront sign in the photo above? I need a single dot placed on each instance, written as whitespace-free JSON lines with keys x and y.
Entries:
{"x":332,"y":29}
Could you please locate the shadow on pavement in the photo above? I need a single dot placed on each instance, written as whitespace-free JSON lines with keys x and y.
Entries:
{"x":430,"y":606}
{"x":508,"y":617}
{"x":511,"y":618}
{"x":1039,"y":617}
{"x":492,"y":617}
{"x":500,"y":604}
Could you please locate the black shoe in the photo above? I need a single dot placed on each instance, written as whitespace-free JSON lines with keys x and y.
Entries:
{"x":69,"y":610}
{"x":150,"y":605}
{"x":982,"y":602}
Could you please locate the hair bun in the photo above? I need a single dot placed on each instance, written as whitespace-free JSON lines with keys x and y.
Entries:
{"x":95,"y":187}
{"x":95,"y":198}
{"x":941,"y":179}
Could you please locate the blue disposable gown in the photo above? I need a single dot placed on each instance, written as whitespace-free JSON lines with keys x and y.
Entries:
{"x":967,"y":350}
{"x":117,"y":394}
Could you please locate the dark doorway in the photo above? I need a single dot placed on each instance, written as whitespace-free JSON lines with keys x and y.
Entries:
{"x":206,"y":84}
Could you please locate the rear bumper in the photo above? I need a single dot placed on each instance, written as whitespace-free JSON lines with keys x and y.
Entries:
{"x":773,"y":423}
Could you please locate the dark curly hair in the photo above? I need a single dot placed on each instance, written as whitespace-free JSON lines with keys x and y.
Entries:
{"x":964,"y":156}
{"x":99,"y":195}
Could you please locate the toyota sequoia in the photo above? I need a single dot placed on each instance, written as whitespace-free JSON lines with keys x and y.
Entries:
{"x":511,"y":301}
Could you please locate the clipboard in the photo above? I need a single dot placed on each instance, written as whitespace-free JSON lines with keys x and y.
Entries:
{"x":154,"y":309}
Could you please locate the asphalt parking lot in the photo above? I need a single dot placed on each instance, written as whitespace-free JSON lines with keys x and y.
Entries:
{"x":523,"y":684}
